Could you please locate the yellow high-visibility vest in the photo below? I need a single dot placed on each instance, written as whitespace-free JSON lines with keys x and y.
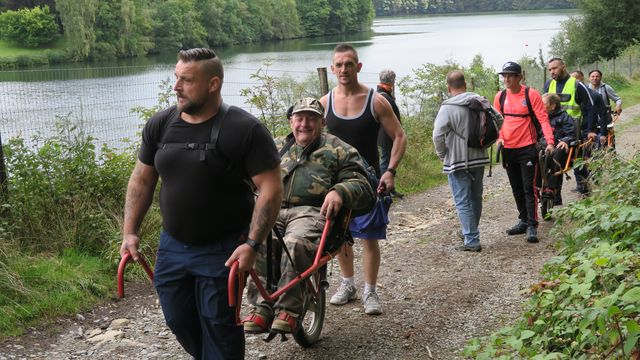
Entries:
{"x":571,"y":106}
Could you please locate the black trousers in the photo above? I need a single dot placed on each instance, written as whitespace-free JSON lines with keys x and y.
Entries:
{"x":521,"y":166}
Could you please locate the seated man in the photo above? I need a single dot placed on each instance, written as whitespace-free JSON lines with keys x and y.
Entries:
{"x":564,"y":132}
{"x":321,"y":174}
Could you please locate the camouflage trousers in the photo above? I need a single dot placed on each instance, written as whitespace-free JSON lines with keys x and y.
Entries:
{"x":301,"y":228}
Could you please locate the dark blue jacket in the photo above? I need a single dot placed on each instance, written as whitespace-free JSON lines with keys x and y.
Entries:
{"x":564,"y":128}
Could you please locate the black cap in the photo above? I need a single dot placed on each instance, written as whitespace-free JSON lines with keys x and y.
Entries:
{"x":511,"y":67}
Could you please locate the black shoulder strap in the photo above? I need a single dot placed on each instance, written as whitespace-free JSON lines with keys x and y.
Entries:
{"x":532,"y":114}
{"x":287,"y":145}
{"x":173,"y":115}
{"x":503,"y":96}
{"x":215,"y":132}
{"x":217,"y":125}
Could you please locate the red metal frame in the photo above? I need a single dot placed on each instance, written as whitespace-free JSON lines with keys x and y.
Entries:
{"x":123,"y":263}
{"x":318,"y":262}
{"x":236,"y":293}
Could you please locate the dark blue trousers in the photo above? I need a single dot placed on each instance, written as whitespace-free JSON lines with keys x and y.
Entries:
{"x":191,"y":281}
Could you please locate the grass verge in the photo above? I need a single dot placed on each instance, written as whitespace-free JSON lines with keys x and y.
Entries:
{"x":8,"y":49}
{"x":36,"y":289}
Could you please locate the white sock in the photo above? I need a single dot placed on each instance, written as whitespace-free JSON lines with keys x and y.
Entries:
{"x":369,"y":288}
{"x":349,"y":280}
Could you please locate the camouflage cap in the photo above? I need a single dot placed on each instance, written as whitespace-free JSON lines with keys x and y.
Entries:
{"x":308,"y":104}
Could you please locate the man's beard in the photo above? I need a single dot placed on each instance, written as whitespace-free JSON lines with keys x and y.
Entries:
{"x":191,"y":107}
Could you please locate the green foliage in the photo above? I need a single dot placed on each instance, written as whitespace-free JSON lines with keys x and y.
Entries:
{"x":314,"y":15}
{"x":588,"y":305}
{"x":78,"y":19}
{"x":427,"y":88}
{"x":412,"y":7}
{"x":123,"y":29}
{"x":29,"y":27}
{"x":41,"y":288}
{"x":273,"y":95}
{"x":617,"y":26}
{"x":349,"y":16}
{"x":61,"y":196}
{"x":616,"y":80}
{"x":420,"y":168}
{"x":177,"y":26}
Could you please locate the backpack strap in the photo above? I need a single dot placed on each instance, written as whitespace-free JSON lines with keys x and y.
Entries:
{"x":503,"y":96}
{"x":531,"y":114}
{"x":174,"y":114}
{"x":287,"y":145}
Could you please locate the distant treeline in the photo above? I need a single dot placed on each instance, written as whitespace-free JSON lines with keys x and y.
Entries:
{"x":103,"y":29}
{"x":411,"y":7}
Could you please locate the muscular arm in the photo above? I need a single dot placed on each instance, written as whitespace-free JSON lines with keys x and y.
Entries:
{"x":264,"y":216}
{"x":268,"y":203}
{"x":142,"y":184}
{"x":392,"y":128}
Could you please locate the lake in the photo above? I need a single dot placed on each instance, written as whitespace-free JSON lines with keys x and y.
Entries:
{"x":100,"y":96}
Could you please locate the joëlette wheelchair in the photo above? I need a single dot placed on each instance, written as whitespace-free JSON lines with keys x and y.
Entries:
{"x":313,"y":280}
{"x":548,"y":167}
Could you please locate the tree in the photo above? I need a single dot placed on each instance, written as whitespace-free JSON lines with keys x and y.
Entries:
{"x":603,"y":31}
{"x":178,"y":26}
{"x":123,"y":29}
{"x":314,"y":15}
{"x":29,"y":27}
{"x":78,"y":19}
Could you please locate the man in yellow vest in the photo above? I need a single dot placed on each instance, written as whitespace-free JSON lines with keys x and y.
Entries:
{"x":578,"y":106}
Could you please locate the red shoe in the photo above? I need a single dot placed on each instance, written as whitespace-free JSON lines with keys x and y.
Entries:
{"x":256,"y":323}
{"x":285,"y":322}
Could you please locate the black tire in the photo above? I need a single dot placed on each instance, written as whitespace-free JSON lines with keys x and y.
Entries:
{"x":310,"y":323}
{"x":545,"y":207}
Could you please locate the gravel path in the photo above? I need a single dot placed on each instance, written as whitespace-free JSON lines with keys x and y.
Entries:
{"x":434,"y":298}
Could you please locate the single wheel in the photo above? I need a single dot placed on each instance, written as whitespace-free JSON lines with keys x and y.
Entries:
{"x":310,"y":322}
{"x":545,"y":207}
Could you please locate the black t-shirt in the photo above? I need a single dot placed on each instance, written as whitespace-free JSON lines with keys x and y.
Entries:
{"x":201,"y":197}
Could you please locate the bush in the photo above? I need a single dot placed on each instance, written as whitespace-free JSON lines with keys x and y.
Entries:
{"x":588,"y":305}
{"x":61,"y":195}
{"x":8,"y":63}
{"x":29,"y":27}
{"x":616,"y":80}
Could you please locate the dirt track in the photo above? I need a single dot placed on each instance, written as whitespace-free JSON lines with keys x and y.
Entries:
{"x":434,"y":298}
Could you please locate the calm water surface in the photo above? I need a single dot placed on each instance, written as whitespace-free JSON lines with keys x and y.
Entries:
{"x":101,"y":95}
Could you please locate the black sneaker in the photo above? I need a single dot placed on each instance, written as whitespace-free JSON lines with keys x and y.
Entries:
{"x":476,"y":248}
{"x":532,"y":234}
{"x":519,"y":228}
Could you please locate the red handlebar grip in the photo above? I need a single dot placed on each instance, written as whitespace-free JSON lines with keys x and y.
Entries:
{"x":123,"y":263}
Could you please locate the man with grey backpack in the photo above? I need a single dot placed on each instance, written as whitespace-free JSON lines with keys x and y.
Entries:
{"x":463,"y":163}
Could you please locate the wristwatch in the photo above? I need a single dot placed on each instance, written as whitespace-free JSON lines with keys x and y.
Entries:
{"x":392,"y":171}
{"x":254,"y":244}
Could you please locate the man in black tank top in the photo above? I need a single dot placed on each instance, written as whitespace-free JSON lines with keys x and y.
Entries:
{"x":210,"y":219}
{"x":355,"y":113}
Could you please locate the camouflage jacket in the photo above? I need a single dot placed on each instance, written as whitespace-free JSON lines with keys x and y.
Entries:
{"x":327,"y":164}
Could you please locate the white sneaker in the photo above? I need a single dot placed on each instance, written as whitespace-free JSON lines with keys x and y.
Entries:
{"x":371,"y":303}
{"x":346,"y":292}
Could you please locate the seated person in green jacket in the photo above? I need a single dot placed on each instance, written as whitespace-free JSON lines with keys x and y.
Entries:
{"x":321,"y":175}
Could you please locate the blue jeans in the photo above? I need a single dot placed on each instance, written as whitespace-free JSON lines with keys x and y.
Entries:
{"x":191,"y":281}
{"x":466,"y":187}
